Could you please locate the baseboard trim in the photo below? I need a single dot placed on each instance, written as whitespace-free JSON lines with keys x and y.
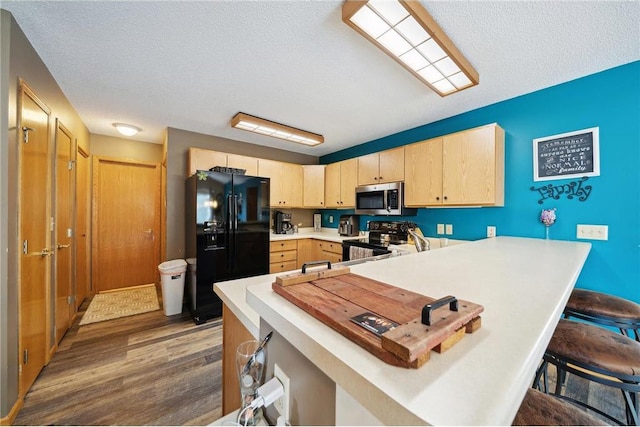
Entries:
{"x":13,"y":414}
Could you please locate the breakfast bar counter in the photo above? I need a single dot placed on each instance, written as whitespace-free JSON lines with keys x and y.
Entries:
{"x":523,"y":285}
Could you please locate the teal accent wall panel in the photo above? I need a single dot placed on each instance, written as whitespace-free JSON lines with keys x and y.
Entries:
{"x":609,"y":100}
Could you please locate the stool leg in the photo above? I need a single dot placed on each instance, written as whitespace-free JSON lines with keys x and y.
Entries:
{"x":541,"y":372}
{"x":561,"y":377}
{"x":631,"y":403}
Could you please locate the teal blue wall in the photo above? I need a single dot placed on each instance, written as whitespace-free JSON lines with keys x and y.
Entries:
{"x":609,"y":100}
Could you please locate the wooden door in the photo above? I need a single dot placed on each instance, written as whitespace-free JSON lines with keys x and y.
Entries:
{"x":273,"y":170}
{"x":82,"y":228}
{"x":313,"y":192}
{"x":423,"y":173}
{"x":34,"y":212}
{"x":469,"y":167}
{"x":369,"y":169}
{"x":332,"y":185}
{"x":126,"y":223}
{"x":348,"y":183}
{"x":63,"y":231}
{"x":391,"y":165}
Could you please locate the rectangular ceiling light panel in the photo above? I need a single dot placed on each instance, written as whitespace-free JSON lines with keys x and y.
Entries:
{"x":406,"y":32}
{"x":266,"y":127}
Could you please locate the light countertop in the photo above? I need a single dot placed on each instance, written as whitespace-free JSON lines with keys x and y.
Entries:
{"x":523,"y":285}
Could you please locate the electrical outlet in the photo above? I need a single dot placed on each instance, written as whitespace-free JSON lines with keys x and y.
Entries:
{"x":448,"y":229}
{"x":330,"y":219}
{"x":491,"y":231}
{"x":282,"y":403}
{"x":440,"y":228}
{"x":592,"y":232}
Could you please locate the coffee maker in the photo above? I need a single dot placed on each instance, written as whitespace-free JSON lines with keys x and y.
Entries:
{"x":282,"y":223}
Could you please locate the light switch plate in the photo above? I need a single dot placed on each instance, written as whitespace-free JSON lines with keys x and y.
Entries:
{"x":440,"y":229}
{"x":448,"y":229}
{"x":592,"y":232}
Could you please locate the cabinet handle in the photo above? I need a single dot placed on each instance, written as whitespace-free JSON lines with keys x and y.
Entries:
{"x":380,"y":178}
{"x":445,"y":197}
{"x":375,"y":178}
{"x":282,"y":256}
{"x":438,"y":198}
{"x":321,"y":202}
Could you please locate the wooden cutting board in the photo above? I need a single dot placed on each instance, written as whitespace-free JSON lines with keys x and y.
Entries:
{"x":336,"y":297}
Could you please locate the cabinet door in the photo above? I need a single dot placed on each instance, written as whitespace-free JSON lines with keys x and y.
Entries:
{"x":306,"y":251}
{"x":199,"y":159}
{"x":469,"y":165}
{"x":273,"y":170}
{"x":313,"y":192}
{"x":391,"y":165}
{"x":423,"y":173}
{"x":348,"y":183}
{"x":250,"y":164}
{"x":332,"y":185}
{"x":292,"y":185}
{"x":368,"y":169}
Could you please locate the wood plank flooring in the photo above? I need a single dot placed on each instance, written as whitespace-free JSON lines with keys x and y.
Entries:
{"x":147,"y":369}
{"x":150,"y":369}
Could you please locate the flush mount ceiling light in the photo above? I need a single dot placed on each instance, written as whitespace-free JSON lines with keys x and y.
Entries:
{"x":266,"y":127}
{"x":405,"y":31}
{"x":125,"y":129}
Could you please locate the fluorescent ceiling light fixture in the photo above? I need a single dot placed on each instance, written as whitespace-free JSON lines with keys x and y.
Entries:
{"x":125,"y":129}
{"x":404,"y":30}
{"x":277,"y":130}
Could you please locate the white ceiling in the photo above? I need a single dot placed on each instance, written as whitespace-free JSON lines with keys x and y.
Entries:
{"x":193,"y":65}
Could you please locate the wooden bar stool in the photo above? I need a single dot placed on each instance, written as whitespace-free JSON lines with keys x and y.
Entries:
{"x":539,"y":409}
{"x":598,"y":355}
{"x":604,"y":309}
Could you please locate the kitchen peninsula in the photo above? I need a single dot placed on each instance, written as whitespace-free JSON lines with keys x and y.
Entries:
{"x":523,"y":285}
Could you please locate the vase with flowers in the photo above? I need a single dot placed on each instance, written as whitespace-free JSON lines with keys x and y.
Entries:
{"x":548,"y":218}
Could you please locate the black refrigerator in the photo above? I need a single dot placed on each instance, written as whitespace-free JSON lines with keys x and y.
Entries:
{"x":227,"y":233}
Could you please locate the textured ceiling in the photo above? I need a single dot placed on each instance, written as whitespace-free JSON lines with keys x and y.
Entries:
{"x":193,"y":65}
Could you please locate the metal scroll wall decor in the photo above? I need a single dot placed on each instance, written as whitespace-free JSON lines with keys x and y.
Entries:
{"x":571,"y":190}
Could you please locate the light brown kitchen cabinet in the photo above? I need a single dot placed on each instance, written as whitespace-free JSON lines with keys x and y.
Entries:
{"x":313,"y":192}
{"x":461,"y":169}
{"x":328,"y":251}
{"x":286,"y":182}
{"x":283,"y":256}
{"x":306,"y":251}
{"x":381,"y":167}
{"x":341,"y":180}
{"x":201,"y":159}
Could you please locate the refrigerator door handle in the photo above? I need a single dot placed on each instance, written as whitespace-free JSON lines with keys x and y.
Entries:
{"x":235,"y":212}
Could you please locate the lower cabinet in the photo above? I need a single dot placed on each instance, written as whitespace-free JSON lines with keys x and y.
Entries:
{"x":283,"y":256}
{"x":329,"y":251}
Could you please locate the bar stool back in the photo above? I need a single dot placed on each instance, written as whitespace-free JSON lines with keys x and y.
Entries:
{"x":605,"y":310}
{"x":599,"y":355}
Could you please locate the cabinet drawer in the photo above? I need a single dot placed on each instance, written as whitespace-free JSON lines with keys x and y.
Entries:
{"x":332,"y":257}
{"x":333,"y":247}
{"x":278,"y":267}
{"x":283,"y":245}
{"x":275,"y":257}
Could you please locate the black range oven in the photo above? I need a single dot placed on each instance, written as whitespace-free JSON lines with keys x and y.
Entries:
{"x":381,"y":235}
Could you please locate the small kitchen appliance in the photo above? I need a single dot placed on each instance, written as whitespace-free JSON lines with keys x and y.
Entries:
{"x":349,"y":225}
{"x":282,"y":223}
{"x":317,"y":222}
{"x":382,"y":199}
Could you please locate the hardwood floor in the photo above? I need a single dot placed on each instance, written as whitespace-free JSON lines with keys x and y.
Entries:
{"x":150,"y":369}
{"x":147,"y":369}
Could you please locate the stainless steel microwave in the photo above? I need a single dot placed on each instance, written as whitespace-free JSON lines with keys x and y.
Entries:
{"x":382,"y":199}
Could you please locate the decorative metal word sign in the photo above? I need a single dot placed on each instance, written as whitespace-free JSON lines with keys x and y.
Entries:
{"x":571,"y":190}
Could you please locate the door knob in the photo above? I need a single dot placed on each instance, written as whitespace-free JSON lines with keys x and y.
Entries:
{"x":45,"y":252}
{"x":63,"y":246}
{"x":150,"y":231}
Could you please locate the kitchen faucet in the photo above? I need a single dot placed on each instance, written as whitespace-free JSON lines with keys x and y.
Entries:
{"x":422,"y":243}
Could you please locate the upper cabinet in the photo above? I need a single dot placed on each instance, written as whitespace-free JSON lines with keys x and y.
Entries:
{"x":384,"y":166}
{"x":201,"y":159}
{"x":461,"y":169}
{"x":341,"y":180}
{"x":313,"y":192}
{"x":286,"y":182}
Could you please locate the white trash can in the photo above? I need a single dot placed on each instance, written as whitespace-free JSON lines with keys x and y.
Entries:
{"x":172,"y":274}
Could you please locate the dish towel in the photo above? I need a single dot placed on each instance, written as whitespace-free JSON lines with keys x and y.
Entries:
{"x":356,"y":252}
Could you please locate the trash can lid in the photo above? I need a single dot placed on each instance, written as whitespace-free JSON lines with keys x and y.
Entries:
{"x":172,"y":265}
{"x":191,"y":260}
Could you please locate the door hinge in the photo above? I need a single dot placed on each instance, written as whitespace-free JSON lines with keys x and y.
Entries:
{"x":71,"y":299}
{"x":52,"y":223}
{"x":70,"y":164}
{"x":25,"y":356}
{"x":25,"y":247}
{"x":25,"y":133}
{"x":69,"y":232}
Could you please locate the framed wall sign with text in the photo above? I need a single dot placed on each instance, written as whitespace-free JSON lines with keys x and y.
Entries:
{"x":567,"y":155}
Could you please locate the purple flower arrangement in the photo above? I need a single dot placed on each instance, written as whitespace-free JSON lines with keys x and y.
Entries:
{"x":548,"y":216}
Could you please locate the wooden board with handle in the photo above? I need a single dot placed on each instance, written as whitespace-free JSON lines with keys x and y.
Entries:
{"x":335,"y":300}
